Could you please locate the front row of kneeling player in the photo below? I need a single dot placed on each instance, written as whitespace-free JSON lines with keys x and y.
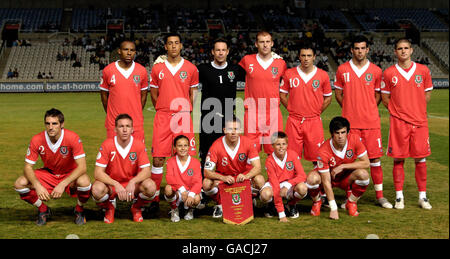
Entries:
{"x":123,"y":171}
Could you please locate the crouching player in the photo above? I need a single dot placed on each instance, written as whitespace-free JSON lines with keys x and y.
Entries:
{"x":286,"y":178}
{"x":122,"y":170}
{"x":64,"y":168}
{"x":231,"y":158}
{"x":184,"y":180}
{"x":342,"y":163}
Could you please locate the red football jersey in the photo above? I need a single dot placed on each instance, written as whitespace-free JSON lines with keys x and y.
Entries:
{"x":359,"y":85}
{"x":231,"y":162}
{"x":124,"y":88}
{"x":289,"y":169}
{"x":330,"y":157}
{"x":60,"y":157}
{"x":174,"y":83}
{"x":262,"y":79}
{"x":184,"y":178}
{"x":407,"y":92}
{"x":306,"y":91}
{"x":122,"y":164}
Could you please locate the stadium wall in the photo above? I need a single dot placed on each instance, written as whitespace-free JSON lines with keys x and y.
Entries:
{"x":359,"y":4}
{"x":92,"y":86}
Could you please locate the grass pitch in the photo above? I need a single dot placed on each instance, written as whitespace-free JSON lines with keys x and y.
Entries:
{"x":23,"y":117}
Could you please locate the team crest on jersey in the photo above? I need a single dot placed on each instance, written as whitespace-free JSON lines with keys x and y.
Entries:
{"x":137,"y":79}
{"x":274,"y":71}
{"x":63,"y":150}
{"x":183,"y":75}
{"x":289,"y":165}
{"x":349,"y":153}
{"x":369,"y":77}
{"x":418,"y":80}
{"x":231,"y":76}
{"x":242,"y":157}
{"x":315,"y":84}
{"x":236,"y":198}
{"x":132,"y":156}
{"x":190,"y":172}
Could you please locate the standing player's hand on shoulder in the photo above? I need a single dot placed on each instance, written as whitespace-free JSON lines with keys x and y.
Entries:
{"x":42,"y":192}
{"x":334,"y":214}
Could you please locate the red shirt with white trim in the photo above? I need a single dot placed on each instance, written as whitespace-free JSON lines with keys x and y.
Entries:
{"x":124,"y":88}
{"x":329,"y":157}
{"x":407,"y":92}
{"x":174,"y":84}
{"x":184,"y":178}
{"x":231,"y":162}
{"x":306,"y":91}
{"x":262,"y":79}
{"x":289,"y":169}
{"x":59,"y":157}
{"x":122,"y":164}
{"x":359,"y":86}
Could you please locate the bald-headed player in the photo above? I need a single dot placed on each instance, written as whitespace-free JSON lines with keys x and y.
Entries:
{"x":123,"y":89}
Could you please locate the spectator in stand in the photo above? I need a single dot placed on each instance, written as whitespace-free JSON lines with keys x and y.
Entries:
{"x":39,"y":76}
{"x":77,"y":63}
{"x":50,"y":76}
{"x":73,"y":55}
{"x":10,"y":74}
{"x":16,"y":73}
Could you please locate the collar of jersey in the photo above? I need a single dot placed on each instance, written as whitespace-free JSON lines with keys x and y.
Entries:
{"x":125,"y":73}
{"x":174,"y":69}
{"x":123,"y":151}
{"x":406,"y":75}
{"x":262,"y":63}
{"x":186,"y":165}
{"x":54,"y":147}
{"x":214,"y":65}
{"x":306,"y":77}
{"x":359,"y":72}
{"x":231,"y":153}
{"x":278,"y":161}
{"x":340,"y":154}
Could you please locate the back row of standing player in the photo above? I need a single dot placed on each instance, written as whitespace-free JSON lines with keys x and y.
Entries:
{"x":304,"y":90}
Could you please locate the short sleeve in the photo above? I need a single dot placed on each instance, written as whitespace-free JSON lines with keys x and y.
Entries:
{"x":326,"y":85}
{"x":338,"y":83}
{"x":77,"y":147}
{"x":102,"y":156}
{"x":32,"y":153}
{"x":154,"y":77}
{"x":104,"y":85}
{"x":195,"y":77}
{"x":143,"y":158}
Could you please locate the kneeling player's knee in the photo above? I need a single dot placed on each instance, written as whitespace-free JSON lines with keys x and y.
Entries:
{"x":99,"y":190}
{"x":158,"y":161}
{"x":207,"y":184}
{"x":21,"y":183}
{"x":266,"y":194}
{"x":83,"y":181}
{"x":313,"y":178}
{"x":362,"y":174}
{"x":301,"y":188}
{"x":168,"y":191}
{"x":197,"y":200}
{"x":149,"y":187}
{"x":259,"y":181}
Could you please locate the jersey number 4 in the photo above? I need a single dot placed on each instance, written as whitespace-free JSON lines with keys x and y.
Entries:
{"x":113,"y":79}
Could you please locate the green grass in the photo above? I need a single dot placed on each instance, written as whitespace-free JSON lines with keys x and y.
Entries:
{"x":23,"y":117}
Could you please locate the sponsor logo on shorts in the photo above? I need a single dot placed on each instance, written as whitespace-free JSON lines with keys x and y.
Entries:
{"x":242,"y":157}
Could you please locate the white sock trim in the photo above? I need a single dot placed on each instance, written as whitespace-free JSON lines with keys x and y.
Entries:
{"x":157,"y":170}
{"x":312,"y":186}
{"x":423,"y":160}
{"x":23,"y":191}
{"x":353,"y":198}
{"x":170,"y":199}
{"x":103,"y":199}
{"x":213,"y":191}
{"x":362,"y":182}
{"x":375,"y":164}
{"x":378,"y":187}
{"x":84,"y":189}
{"x":38,"y":203}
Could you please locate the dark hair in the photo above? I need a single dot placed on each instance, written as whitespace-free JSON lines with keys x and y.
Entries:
{"x":232,"y":119}
{"x":307,"y":45}
{"x":171,"y":34}
{"x":54,"y":113}
{"x":402,"y":40}
{"x":277,"y":135}
{"x":358,"y":39}
{"x":123,"y":116}
{"x":219,"y":40}
{"x":178,"y":138}
{"x":126,"y":40}
{"x":338,"y":123}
